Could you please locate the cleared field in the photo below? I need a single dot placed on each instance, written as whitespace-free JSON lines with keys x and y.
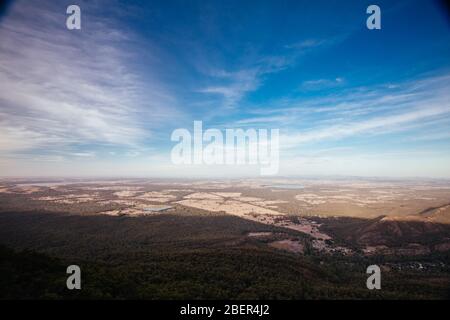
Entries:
{"x":292,"y":204}
{"x":286,"y":237}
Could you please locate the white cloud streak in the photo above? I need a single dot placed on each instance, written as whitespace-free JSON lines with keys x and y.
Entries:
{"x":69,"y":88}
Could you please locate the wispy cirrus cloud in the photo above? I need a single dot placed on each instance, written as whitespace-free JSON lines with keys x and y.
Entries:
{"x":64,"y":88}
{"x":411,"y":105}
{"x":234,"y":85}
{"x":320,"y":84}
{"x":105,"y":98}
{"x":377,"y":125}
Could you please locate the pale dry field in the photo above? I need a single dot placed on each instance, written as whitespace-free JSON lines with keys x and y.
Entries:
{"x":414,"y":200}
{"x":285,"y":203}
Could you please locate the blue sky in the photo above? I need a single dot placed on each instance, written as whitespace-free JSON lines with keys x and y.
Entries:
{"x":104,"y":100}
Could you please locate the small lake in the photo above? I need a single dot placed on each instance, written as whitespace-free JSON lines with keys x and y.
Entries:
{"x":287,"y":186}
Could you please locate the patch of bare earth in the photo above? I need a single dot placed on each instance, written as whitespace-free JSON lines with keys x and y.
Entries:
{"x":288,"y":245}
{"x":231,"y":203}
{"x":259,"y":234}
